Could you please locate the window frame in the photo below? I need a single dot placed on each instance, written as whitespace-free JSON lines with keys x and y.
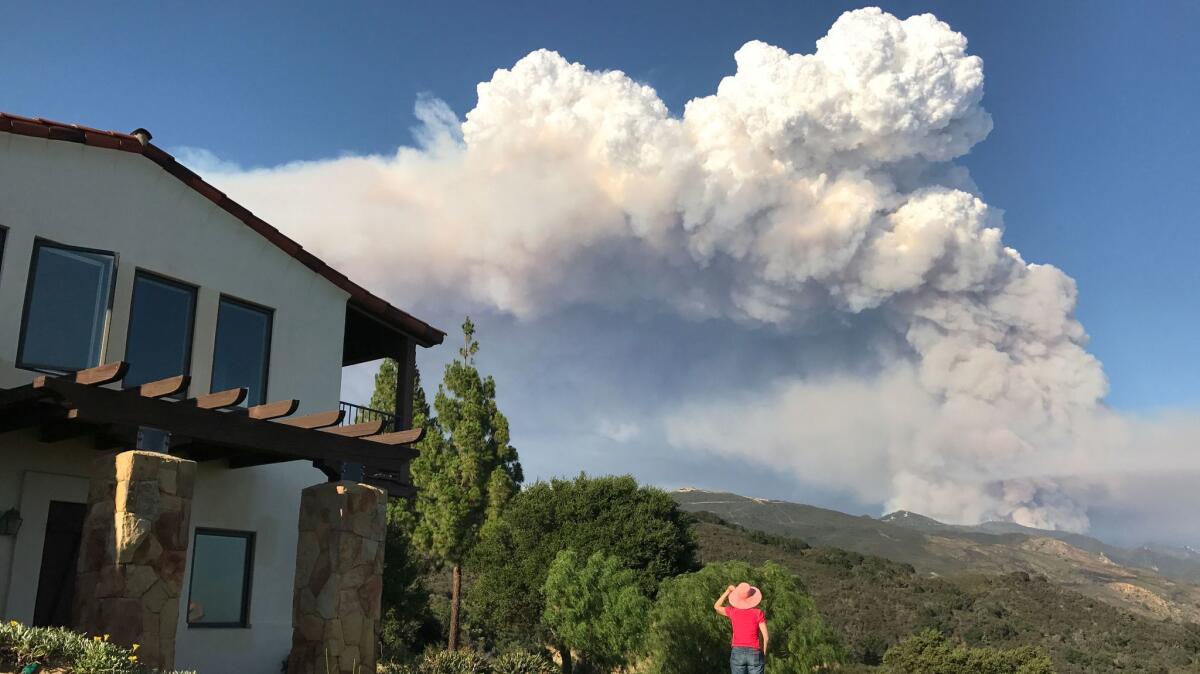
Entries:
{"x":266,"y":366}
{"x":38,"y":242}
{"x":142,"y":272}
{"x":247,"y":577}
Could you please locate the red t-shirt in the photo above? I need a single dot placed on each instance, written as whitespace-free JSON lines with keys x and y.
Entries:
{"x":745,"y":626}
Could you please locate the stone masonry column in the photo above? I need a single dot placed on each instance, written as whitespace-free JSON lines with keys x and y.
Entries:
{"x":133,"y":551}
{"x":339,"y":579}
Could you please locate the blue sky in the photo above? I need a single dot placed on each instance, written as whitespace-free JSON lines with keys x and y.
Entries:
{"x":1093,"y":159}
{"x":1095,"y":155}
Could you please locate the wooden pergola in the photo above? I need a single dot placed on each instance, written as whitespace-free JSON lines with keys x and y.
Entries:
{"x":209,"y":427}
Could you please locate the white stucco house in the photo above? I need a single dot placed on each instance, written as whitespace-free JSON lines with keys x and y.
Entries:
{"x":111,"y":252}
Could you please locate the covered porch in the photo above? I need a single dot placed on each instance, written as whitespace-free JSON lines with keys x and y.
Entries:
{"x":148,"y":441}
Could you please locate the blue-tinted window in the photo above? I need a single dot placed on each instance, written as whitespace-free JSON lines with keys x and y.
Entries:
{"x":222,"y":562}
{"x":243,"y":349}
{"x":159,"y":344}
{"x":66,"y":308}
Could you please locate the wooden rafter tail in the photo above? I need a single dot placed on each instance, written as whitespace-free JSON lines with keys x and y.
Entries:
{"x":220,"y":399}
{"x":104,"y":374}
{"x":358,"y":430}
{"x":95,"y":376}
{"x":274,"y":410}
{"x":318,"y":420}
{"x":164,"y":387}
{"x":399,"y":437}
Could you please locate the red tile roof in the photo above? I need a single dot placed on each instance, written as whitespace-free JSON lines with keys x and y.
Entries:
{"x":425,"y":334}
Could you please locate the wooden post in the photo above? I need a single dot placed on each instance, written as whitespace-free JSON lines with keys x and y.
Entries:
{"x":406,"y":367}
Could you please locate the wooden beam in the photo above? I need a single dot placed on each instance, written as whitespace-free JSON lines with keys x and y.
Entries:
{"x":274,"y":410}
{"x":357,"y":430}
{"x":164,"y":387}
{"x":394,"y":485}
{"x":95,"y":376}
{"x":104,"y":374}
{"x":399,"y":437}
{"x":406,"y":368}
{"x":20,"y":395}
{"x":252,"y":460}
{"x":318,"y":420}
{"x":227,"y":432}
{"x":28,"y":414}
{"x":57,"y":431}
{"x":215,"y":401}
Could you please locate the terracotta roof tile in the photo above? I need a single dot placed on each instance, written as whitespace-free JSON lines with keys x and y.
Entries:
{"x":104,"y":140}
{"x":425,"y":334}
{"x":30,"y":128}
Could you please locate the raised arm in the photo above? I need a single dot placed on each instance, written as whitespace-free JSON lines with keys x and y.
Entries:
{"x":766,"y":638}
{"x":719,"y":606}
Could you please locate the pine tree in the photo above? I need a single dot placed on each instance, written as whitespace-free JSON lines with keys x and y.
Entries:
{"x":408,"y":623}
{"x":466,"y":469}
{"x":384,"y":396}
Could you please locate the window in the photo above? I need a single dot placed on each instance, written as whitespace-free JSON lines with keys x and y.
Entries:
{"x":221,"y":567}
{"x":66,"y":307}
{"x":3,"y":237}
{"x":159,"y":344}
{"x":243,"y":349}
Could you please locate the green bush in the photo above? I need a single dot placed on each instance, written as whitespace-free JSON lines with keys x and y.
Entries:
{"x":686,"y":636}
{"x":522,"y":663}
{"x":930,"y":653}
{"x":595,"y":609}
{"x":470,"y":662}
{"x":21,"y":645}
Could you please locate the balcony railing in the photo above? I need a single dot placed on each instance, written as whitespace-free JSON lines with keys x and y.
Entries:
{"x":358,"y":414}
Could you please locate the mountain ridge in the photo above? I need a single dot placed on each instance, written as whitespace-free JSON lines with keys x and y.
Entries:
{"x":1159,"y":582}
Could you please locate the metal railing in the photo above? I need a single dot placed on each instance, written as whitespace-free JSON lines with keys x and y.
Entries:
{"x":358,"y":414}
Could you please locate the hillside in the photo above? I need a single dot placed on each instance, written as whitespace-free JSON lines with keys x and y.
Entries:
{"x":1156,"y":583}
{"x":872,"y":603}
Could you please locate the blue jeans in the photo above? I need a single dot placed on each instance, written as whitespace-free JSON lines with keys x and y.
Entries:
{"x":745,"y":661}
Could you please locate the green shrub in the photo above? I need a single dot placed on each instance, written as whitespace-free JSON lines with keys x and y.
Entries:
{"x":686,"y":636}
{"x":930,"y":653}
{"x":21,"y":645}
{"x":452,"y":662}
{"x":595,"y":609}
{"x":470,"y":662}
{"x":522,"y":663}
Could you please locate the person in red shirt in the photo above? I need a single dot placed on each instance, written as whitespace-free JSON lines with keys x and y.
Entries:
{"x":749,"y":653}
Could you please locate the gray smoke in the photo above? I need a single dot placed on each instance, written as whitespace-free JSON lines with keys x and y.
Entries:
{"x":812,"y":194}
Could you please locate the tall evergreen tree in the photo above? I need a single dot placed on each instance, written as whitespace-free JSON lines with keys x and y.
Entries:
{"x":408,"y":622}
{"x":384,"y":396}
{"x":466,"y":469}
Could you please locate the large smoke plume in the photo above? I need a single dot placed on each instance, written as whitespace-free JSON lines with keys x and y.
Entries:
{"x":811,"y":193}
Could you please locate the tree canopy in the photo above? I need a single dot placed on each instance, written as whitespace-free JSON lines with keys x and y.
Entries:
{"x":466,"y":469}
{"x":595,"y":609}
{"x":686,"y":636}
{"x":641,"y":527}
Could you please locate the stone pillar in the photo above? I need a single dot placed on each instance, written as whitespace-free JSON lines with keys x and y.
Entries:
{"x":339,"y":579}
{"x":133,"y":551}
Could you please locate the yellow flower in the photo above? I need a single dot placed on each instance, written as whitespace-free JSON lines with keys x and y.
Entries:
{"x":135,"y":647}
{"x":95,"y":638}
{"x":133,"y":658}
{"x":106,"y":637}
{"x":14,"y":623}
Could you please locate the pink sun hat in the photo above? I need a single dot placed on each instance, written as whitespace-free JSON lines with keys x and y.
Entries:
{"x":745,"y":595}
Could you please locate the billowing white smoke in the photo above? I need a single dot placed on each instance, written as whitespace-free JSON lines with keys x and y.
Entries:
{"x":807,"y":186}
